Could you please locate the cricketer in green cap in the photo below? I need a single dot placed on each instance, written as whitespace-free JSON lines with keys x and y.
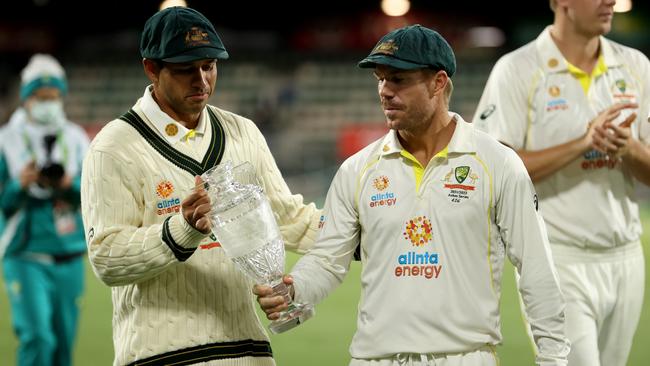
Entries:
{"x":153,"y":238}
{"x":461,"y":193}
{"x":412,"y":47}
{"x":179,"y":34}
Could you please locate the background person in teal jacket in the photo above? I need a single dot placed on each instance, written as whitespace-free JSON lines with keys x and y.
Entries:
{"x":42,"y":243}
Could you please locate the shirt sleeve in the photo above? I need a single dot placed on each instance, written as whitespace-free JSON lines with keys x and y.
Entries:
{"x":503,"y":108}
{"x":322,"y":269}
{"x":120,"y":249}
{"x":642,"y":123}
{"x":298,"y":221}
{"x":524,"y":234}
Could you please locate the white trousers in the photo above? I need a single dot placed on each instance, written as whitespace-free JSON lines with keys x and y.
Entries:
{"x":603,"y":290}
{"x":604,"y":294}
{"x":485,"y":356}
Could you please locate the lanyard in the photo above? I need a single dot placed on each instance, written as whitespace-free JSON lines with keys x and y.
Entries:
{"x":59,"y":138}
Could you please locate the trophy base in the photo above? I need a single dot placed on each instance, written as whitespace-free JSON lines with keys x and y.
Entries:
{"x":295,"y":315}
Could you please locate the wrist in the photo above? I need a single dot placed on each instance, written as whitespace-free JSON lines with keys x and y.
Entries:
{"x":583,"y":144}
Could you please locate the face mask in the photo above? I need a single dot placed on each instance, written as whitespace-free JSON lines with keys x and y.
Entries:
{"x":48,"y":113}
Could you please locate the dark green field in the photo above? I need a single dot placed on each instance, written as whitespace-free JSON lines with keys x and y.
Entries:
{"x":324,"y":339}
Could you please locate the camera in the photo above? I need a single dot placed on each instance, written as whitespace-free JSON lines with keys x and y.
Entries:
{"x":51,"y":172}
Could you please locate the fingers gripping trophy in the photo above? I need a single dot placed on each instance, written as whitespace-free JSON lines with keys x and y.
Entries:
{"x":245,"y":226}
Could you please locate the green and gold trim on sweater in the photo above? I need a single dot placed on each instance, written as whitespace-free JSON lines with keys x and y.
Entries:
{"x":211,"y":158}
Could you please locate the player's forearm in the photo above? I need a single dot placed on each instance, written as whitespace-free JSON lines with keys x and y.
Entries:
{"x":543,"y":163}
{"x":122,"y":255}
{"x":637,"y":159}
{"x":552,"y":346}
{"x":544,"y":304}
{"x":315,"y":277}
{"x":300,"y":234}
{"x":298,"y":221}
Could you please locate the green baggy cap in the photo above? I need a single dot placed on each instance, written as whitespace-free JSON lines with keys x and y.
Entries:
{"x":412,"y":47}
{"x":179,"y":34}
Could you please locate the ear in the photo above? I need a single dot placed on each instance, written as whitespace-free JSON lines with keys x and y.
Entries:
{"x":559,"y":4}
{"x":151,"y":69}
{"x":438,"y":82}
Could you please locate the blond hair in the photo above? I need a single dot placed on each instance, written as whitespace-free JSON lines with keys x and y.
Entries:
{"x":449,"y":88}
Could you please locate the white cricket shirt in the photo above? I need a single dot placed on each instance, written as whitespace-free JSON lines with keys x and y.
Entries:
{"x":433,"y":255}
{"x":532,"y":102}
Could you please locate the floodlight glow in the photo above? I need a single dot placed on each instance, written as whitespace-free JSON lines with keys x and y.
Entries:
{"x":169,"y":3}
{"x":623,"y":6}
{"x":395,"y":8}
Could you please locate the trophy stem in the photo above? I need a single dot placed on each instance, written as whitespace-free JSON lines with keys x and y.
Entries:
{"x":294,"y":315}
{"x":244,"y":223}
{"x":280,"y":289}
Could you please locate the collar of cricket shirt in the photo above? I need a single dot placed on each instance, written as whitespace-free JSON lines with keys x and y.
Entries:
{"x":170,"y":129}
{"x":553,"y":61}
{"x":462,"y":141}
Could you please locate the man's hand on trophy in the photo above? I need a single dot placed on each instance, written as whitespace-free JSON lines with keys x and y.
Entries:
{"x":196,"y":207}
{"x":271,"y":302}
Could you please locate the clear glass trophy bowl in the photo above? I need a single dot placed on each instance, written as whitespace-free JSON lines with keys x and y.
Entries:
{"x":244,"y":224}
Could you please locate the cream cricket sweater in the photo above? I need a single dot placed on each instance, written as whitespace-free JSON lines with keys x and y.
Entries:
{"x":177,"y":299}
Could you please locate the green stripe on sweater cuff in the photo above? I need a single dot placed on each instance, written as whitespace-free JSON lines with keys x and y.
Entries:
{"x":180,"y":237}
{"x":207,"y":352}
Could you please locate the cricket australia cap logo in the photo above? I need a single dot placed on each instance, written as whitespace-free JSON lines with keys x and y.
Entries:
{"x":196,"y":37}
{"x":387,"y":48}
{"x":382,"y":198}
{"x":167,"y":204}
{"x":415,"y":262}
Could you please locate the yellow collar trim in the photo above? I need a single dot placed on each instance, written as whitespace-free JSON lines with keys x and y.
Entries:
{"x":418,"y":169}
{"x":583,"y":78}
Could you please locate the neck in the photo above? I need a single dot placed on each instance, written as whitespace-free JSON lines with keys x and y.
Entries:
{"x":194,"y":121}
{"x":579,"y":49}
{"x":425,"y":144}
{"x":188,"y":120}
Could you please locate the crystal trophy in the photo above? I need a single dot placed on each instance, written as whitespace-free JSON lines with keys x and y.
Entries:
{"x":244,"y":224}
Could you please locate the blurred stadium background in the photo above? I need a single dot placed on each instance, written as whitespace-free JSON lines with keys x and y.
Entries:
{"x":292,"y":71}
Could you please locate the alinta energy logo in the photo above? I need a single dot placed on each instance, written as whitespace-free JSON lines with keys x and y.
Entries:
{"x":594,"y":160}
{"x":381,"y":183}
{"x":556,"y":103}
{"x":416,"y":263}
{"x":418,"y":231}
{"x":164,"y":190}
